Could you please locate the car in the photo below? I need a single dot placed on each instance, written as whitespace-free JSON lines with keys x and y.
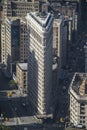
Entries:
{"x":66,"y":67}
{"x":70,"y":70}
{"x":61,"y":119}
{"x":9,"y":94}
{"x":13,"y":92}
{"x":23,"y":104}
{"x":81,"y":49}
{"x":64,"y":87}
{"x":77,"y":48}
{"x":25,"y":128}
{"x":6,"y":119}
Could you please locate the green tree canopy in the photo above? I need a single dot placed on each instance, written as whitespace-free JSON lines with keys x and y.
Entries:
{"x":3,"y":127}
{"x":12,"y":83}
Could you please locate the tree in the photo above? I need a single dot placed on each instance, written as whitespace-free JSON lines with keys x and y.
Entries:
{"x":3,"y":127}
{"x":12,"y":83}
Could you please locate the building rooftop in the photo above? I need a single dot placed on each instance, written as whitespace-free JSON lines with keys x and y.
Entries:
{"x":79,"y":84}
{"x":69,"y":128}
{"x":58,"y":21}
{"x":22,"y":66}
{"x":42,"y":18}
{"x":66,"y":8}
{"x":15,"y":20}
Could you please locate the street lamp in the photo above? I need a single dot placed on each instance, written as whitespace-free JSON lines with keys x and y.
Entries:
{"x":1,"y":125}
{"x":16,"y":116}
{"x":1,"y":117}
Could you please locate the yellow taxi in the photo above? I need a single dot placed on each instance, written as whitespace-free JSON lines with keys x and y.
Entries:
{"x":9,"y":94}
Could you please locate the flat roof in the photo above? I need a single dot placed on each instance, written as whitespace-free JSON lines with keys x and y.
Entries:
{"x":23,"y":66}
{"x":15,"y":20}
{"x":79,"y":84}
{"x":42,"y":18}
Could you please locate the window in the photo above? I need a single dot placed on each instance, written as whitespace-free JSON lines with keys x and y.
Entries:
{"x":80,"y":121}
{"x":82,"y":112}
{"x":24,"y":77}
{"x":82,"y":117}
{"x":24,"y":81}
{"x":82,"y":104}
{"x":83,"y":121}
{"x":82,"y":108}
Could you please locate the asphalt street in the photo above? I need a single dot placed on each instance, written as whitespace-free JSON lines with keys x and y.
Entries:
{"x":37,"y":127}
{"x":16,"y":108}
{"x":19,"y":113}
{"x":4,"y":82}
{"x":20,"y":116}
{"x":76,"y":63}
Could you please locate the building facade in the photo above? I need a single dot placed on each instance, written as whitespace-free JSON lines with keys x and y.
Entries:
{"x":19,"y":7}
{"x":85,"y":53}
{"x":10,"y":48}
{"x":23,"y":40}
{"x":22,"y":7}
{"x":57,"y":36}
{"x":21,"y":77}
{"x":78,"y":99}
{"x":69,"y":10}
{"x":60,"y":39}
{"x":13,"y":41}
{"x":39,"y":26}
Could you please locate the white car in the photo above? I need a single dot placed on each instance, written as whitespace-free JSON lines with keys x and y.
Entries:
{"x":23,"y":104}
{"x":64,"y":87}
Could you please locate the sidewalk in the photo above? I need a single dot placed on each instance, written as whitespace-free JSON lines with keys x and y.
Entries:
{"x":22,"y":121}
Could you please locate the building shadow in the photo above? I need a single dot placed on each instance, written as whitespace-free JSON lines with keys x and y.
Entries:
{"x":33,"y":81}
